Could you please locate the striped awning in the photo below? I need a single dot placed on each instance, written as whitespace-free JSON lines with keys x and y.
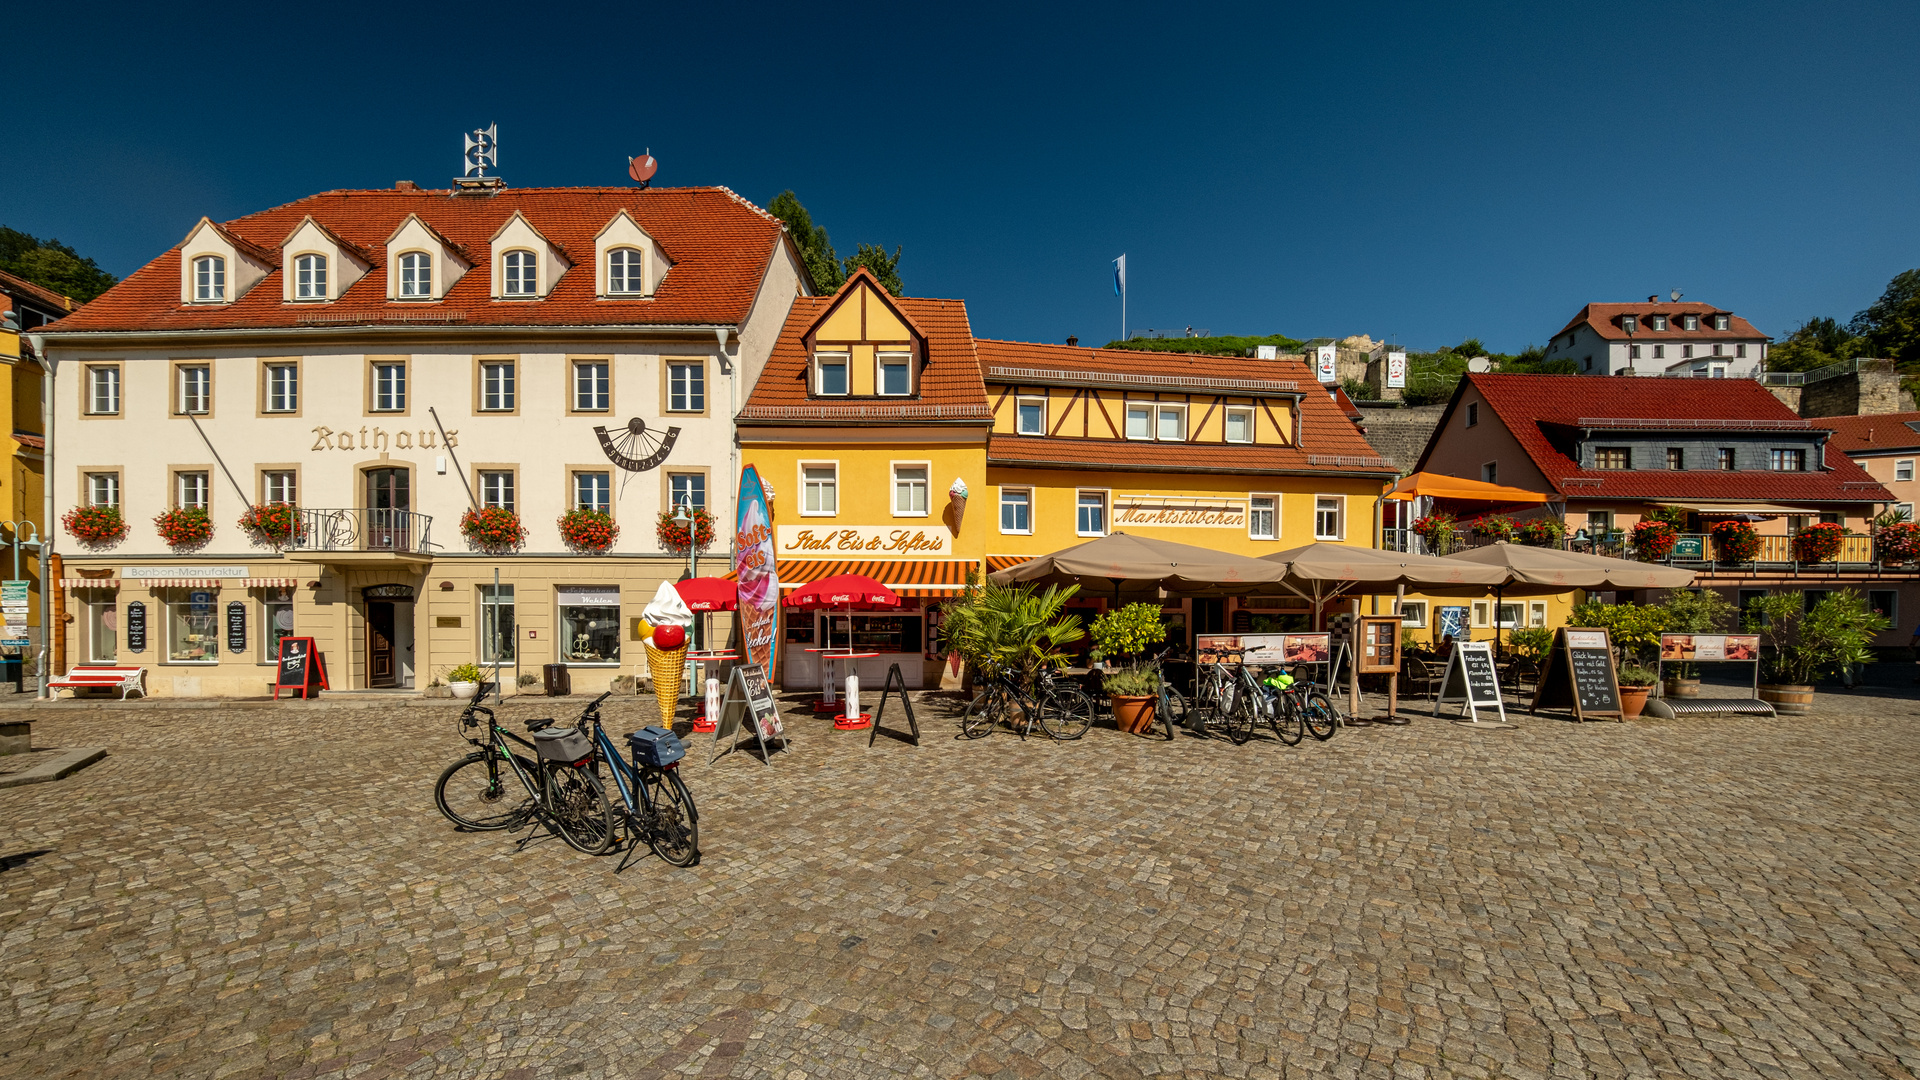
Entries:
{"x":270,"y":583}
{"x":89,"y":582}
{"x":180,"y":582}
{"x":907,"y":577}
{"x":997,"y":563}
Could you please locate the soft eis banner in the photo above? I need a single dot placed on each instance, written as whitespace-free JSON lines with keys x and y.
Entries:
{"x":753,"y":565}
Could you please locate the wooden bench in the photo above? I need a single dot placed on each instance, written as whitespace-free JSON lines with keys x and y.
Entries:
{"x":101,"y":677}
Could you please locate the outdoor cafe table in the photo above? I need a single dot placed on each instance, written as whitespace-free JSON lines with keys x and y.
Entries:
{"x":827,"y":700}
{"x":704,"y":722}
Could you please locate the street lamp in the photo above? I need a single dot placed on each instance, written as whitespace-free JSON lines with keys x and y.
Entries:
{"x":683,"y":517}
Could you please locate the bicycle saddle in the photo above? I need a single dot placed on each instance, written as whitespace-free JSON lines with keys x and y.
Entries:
{"x":536,"y":725}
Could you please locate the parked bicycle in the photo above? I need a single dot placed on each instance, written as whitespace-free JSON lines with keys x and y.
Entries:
{"x":655,"y":800}
{"x":561,"y":781}
{"x":1296,"y":707}
{"x":1060,"y":709}
{"x":1222,"y":698}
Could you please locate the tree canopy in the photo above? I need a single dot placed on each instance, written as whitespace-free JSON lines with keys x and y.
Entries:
{"x":829,"y":270}
{"x":1218,"y":346}
{"x":1888,"y":329}
{"x":51,"y":264}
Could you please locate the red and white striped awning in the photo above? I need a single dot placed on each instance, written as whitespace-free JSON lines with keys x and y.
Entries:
{"x":270,"y":583}
{"x":89,"y":582}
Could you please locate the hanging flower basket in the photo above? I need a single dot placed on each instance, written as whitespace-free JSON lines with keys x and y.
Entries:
{"x":493,"y":530}
{"x":676,"y":538}
{"x":1654,"y":540}
{"x":1898,"y":543}
{"x":185,"y":527}
{"x":273,"y":524}
{"x":1494,"y":526}
{"x":95,"y":526}
{"x":589,"y":532}
{"x":1818,"y":543}
{"x":1438,"y":530}
{"x":1541,"y":532}
{"x":1735,"y":542}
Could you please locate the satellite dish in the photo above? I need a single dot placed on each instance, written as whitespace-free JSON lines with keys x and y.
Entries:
{"x":1674,"y":295}
{"x":1480,"y":363}
{"x":642,"y":168}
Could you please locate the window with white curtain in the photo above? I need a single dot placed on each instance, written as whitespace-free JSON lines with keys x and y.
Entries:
{"x":310,"y":277}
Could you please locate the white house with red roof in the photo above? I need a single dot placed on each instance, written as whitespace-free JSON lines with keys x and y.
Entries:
{"x":1689,"y":340}
{"x":384,"y":362}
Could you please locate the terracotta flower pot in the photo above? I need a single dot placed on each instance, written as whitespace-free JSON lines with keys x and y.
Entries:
{"x":1134,"y":714}
{"x":1788,"y":699}
{"x":1633,"y":699}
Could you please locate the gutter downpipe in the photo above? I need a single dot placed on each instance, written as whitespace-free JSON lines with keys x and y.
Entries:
{"x":47,"y":366}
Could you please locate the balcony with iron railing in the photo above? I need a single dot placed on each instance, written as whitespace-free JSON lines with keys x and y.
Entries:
{"x":1696,"y":551}
{"x":365,"y":532}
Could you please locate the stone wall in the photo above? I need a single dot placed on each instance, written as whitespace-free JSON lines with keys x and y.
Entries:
{"x":1871,"y":391}
{"x":1401,"y":435}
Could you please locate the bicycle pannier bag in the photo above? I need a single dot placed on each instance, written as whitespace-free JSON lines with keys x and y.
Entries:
{"x":657,"y":746}
{"x":563,"y":744}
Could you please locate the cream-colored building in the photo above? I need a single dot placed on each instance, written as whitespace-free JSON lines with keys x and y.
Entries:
{"x":384,"y":361}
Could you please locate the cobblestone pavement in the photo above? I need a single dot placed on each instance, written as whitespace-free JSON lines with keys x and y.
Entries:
{"x":252,"y":892}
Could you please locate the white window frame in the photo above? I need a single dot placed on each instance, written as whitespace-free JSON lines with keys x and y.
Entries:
{"x":1519,"y":614}
{"x":273,"y":490}
{"x":390,"y":386}
{"x":1106,"y":511}
{"x":1786,"y":454}
{"x":1340,"y":517}
{"x":1159,"y":415}
{"x":1908,"y":507}
{"x":310,"y":277}
{"x":1272,"y":511}
{"x":1537,"y":613}
{"x":107,"y":376}
{"x":1413,"y":613}
{"x":1690,"y":322}
{"x":183,"y":404}
{"x":598,"y":386}
{"x":829,"y":487}
{"x":899,"y":485}
{"x":416,"y":275}
{"x":166,"y":614}
{"x":674,"y":478}
{"x":283,"y":388}
{"x":1660,"y":323}
{"x":1226,"y":424}
{"x":1720,"y":322}
{"x":686,"y":381}
{"x":1629,"y":323}
{"x":498,"y":394}
{"x":496,"y":483}
{"x":1481,"y":614}
{"x":193,"y":489}
{"x":209,"y":280}
{"x":626,"y":272}
{"x":885,"y":360}
{"x":110,"y":481}
{"x":601,"y":481}
{"x":1027,"y":501}
{"x":520,"y":274}
{"x":98,"y":634}
{"x":1020,"y":418}
{"x":1902,"y":466}
{"x":1145,"y":408}
{"x":829,"y":358}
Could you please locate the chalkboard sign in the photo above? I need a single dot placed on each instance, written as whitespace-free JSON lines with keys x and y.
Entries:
{"x":1472,"y":682}
{"x":1579,"y":675}
{"x":137,"y":627}
{"x":750,"y":700}
{"x":236,"y":627}
{"x":302,"y":669}
{"x":896,"y":682}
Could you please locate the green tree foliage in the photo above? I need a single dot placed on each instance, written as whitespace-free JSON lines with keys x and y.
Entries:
{"x":1814,"y":343}
{"x":1891,"y":327}
{"x":51,"y":264}
{"x":1634,"y":629}
{"x":815,"y":249}
{"x":1012,"y":630}
{"x":1802,"y":644}
{"x":885,"y":268}
{"x":1213,"y":346}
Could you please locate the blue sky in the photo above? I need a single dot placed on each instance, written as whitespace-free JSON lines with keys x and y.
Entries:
{"x":1420,"y":172}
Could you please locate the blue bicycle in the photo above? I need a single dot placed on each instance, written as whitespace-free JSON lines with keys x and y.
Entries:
{"x":654,"y":799}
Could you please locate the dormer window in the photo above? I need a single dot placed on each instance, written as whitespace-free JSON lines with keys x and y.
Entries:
{"x":310,"y":277}
{"x":416,"y":276}
{"x":1629,"y":323}
{"x":1660,"y":323}
{"x":210,"y":279}
{"x":1690,"y":322}
{"x":830,"y":374}
{"x":896,"y":374}
{"x":1719,"y":322}
{"x":519,"y":274}
{"x":625,"y":269}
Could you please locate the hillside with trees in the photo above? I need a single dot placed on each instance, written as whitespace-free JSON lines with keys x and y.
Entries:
{"x":51,"y":264}
{"x":829,"y":270}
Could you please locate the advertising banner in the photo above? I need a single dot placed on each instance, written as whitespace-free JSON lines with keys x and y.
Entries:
{"x":753,"y":565}
{"x":1324,"y":364}
{"x":1397,"y":369}
{"x":1262,"y":648}
{"x":1709,"y":646}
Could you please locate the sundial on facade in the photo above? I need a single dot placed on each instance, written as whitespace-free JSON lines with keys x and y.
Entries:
{"x":637,"y":447}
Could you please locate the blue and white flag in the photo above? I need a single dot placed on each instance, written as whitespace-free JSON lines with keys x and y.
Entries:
{"x":1120,"y":276}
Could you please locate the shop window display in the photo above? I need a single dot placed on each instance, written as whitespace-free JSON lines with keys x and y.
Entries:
{"x":590,"y":625}
{"x":278,"y":621}
{"x":192,"y":637}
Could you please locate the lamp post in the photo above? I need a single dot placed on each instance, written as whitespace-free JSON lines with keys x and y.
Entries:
{"x":683,"y":517}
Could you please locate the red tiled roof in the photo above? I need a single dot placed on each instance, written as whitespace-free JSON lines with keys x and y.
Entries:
{"x":950,"y":386}
{"x":1605,"y":320}
{"x":1869,"y":434}
{"x":1529,"y":404}
{"x":21,"y":289}
{"x":1013,"y":358}
{"x":719,"y":244}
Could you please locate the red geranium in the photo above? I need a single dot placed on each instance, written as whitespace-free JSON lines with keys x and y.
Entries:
{"x":1541,"y":532}
{"x":1494,"y":526}
{"x":590,"y":532}
{"x":95,"y":526}
{"x":678,"y":538}
{"x":1654,"y":539}
{"x":1899,"y":542}
{"x":273,"y":523}
{"x":185,"y":527}
{"x":1735,"y":542}
{"x":1818,"y":543}
{"x":493,"y":529}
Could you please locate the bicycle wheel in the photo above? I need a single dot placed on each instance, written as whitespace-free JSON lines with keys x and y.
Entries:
{"x":577,"y":800}
{"x":989,"y":706}
{"x":673,"y":827}
{"x":1321,"y":715}
{"x":1172,"y":710}
{"x":1286,"y":720}
{"x":476,"y":797}
{"x":1237,"y":705}
{"x":1067,"y":713}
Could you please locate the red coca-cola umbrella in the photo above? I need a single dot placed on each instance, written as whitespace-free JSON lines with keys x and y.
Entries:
{"x":848,"y":592}
{"x":709,"y":593}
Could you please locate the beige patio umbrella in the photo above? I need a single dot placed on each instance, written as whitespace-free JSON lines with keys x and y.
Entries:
{"x":1322,"y":572}
{"x":1536,"y":571}
{"x":1144,"y":563}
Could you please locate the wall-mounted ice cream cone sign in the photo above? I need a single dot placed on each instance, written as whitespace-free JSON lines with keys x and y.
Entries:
{"x":956,"y":504}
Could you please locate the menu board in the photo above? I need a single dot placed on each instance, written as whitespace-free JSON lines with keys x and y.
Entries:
{"x":749,"y":703}
{"x":137,"y":627}
{"x":1579,"y":675}
{"x":236,"y":627}
{"x":1379,"y":644}
{"x":302,"y":668}
{"x":1263,"y":648}
{"x":1710,"y":647}
{"x":1472,"y":682}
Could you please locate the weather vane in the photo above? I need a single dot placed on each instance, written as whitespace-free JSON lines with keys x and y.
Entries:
{"x":483,"y":150}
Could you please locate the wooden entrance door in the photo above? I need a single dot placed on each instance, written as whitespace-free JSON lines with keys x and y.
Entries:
{"x":381,"y":670}
{"x":388,"y":501}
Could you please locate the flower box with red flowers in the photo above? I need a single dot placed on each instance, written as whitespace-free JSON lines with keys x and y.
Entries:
{"x":1818,"y":543}
{"x":1541,"y":532}
{"x":1654,"y":540}
{"x":588,"y":531}
{"x":95,"y":526}
{"x":492,"y":529}
{"x":273,"y":523}
{"x":185,"y":526}
{"x":678,"y":538}
{"x":1494,"y":526}
{"x":1899,"y":542}
{"x":1735,"y":542}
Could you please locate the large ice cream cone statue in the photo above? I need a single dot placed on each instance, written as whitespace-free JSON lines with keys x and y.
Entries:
{"x":957,"y":502}
{"x":669,"y":669}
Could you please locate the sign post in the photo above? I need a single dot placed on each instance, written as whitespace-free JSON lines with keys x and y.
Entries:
{"x":750,"y":701}
{"x":1380,"y":655}
{"x":302,"y":668}
{"x":13,"y":604}
{"x":1579,"y":675}
{"x":1472,"y":682}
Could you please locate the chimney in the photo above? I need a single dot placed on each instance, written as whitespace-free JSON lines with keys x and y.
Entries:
{"x":1654,"y":299}
{"x":405,"y":185}
{"x":1072,"y":341}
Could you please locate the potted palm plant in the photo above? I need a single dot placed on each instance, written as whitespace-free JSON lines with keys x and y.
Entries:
{"x":1132,"y":690}
{"x":1799,"y":644}
{"x":1012,"y":630}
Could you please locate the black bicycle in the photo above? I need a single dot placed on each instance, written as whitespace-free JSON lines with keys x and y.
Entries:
{"x":561,"y":781}
{"x":1062,"y":710}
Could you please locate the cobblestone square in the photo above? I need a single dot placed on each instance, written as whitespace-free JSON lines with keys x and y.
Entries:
{"x":268,"y":891}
